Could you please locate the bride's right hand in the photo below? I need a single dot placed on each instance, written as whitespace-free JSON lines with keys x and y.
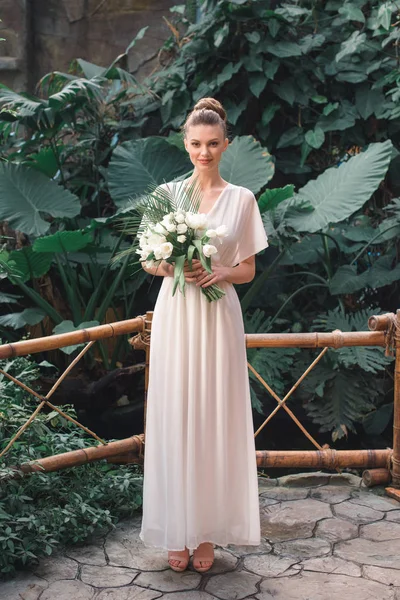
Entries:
{"x":191,"y":275}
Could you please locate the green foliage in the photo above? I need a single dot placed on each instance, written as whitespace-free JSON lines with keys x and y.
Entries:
{"x":43,"y":510}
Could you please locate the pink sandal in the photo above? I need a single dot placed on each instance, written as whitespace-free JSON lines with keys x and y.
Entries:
{"x":205,"y":555}
{"x":182,"y":560}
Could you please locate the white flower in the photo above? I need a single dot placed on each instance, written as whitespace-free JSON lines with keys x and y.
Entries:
{"x":182,"y":228}
{"x":143,"y":241}
{"x":149,"y":264}
{"x":171,"y":227}
{"x":166,"y":250}
{"x":191,"y":220}
{"x":159,"y":228}
{"x":179,"y":217}
{"x":155,"y":240}
{"x":211,"y":233}
{"x":158,"y":253}
{"x":222,"y":231}
{"x":181,"y":239}
{"x":209,"y":250}
{"x":202,"y":221}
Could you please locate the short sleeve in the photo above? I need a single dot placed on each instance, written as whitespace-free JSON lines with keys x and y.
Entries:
{"x":252,"y":237}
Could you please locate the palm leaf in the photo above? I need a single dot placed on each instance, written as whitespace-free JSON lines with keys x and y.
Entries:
{"x":23,"y":105}
{"x":77,"y":88}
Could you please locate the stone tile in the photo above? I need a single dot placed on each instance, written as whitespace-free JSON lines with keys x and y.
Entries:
{"x":381,"y":531}
{"x":68,"y":590}
{"x":88,"y":555}
{"x":233,"y":586}
{"x":127,"y":593}
{"x":189,"y":596}
{"x":331,"y":493}
{"x":393,"y":516}
{"x":285,"y":493}
{"x":345,"y":479}
{"x":386,"y":576}
{"x":300,"y":549}
{"x":132,"y":553}
{"x":23,"y":586}
{"x":383,"y":503}
{"x":332,"y":564}
{"x":293,"y":519}
{"x":224,"y":561}
{"x":378,"y":554}
{"x":305,"y":479}
{"x":268,"y":565}
{"x":265,"y":502}
{"x":56,"y":567}
{"x":169,"y":581}
{"x":266,"y":483}
{"x":320,"y":586}
{"x":336,"y":530}
{"x":263,"y":548}
{"x":356,"y":513}
{"x":107,"y":576}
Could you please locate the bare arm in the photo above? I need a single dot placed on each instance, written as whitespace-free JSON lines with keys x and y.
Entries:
{"x":244,"y":272}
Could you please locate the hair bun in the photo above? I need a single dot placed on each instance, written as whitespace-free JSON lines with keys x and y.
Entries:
{"x":211,"y":104}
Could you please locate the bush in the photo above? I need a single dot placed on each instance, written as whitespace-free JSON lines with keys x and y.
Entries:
{"x":43,"y":510}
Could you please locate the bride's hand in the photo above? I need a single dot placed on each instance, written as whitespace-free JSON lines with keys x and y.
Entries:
{"x":219,"y":273}
{"x":191,"y":275}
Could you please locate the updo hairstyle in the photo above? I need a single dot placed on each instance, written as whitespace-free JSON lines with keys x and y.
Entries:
{"x":207,"y":111}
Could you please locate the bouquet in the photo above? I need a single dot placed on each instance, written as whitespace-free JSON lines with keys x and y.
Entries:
{"x":170,"y":228}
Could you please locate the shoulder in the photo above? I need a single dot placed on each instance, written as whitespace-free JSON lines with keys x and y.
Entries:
{"x":245,"y":195}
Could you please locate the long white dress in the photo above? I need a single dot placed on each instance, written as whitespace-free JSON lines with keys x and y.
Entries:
{"x":200,"y":477}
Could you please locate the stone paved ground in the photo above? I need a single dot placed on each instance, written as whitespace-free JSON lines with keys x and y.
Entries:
{"x":324,"y":538}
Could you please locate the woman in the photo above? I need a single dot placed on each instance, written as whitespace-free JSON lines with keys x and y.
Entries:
{"x":200,"y":484}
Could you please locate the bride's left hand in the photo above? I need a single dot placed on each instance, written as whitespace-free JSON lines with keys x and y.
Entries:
{"x":219,"y":273}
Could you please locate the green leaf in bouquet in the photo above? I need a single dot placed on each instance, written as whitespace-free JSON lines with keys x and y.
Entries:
{"x":191,"y":251}
{"x":179,"y":278}
{"x":206,"y":264}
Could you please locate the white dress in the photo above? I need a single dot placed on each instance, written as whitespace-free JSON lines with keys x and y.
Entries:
{"x":200,"y":476}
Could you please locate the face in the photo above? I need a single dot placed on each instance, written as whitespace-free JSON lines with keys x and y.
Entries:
{"x":205,"y":145}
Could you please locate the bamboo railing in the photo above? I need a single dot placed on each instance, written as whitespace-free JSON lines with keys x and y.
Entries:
{"x":382,"y":466}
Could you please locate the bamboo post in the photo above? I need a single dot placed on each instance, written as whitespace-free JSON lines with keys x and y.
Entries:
{"x":373,"y":477}
{"x":396,"y":413}
{"x":147,"y":328}
{"x":132,"y":449}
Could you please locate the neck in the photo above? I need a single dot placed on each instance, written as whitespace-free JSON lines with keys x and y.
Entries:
{"x":208,"y":180}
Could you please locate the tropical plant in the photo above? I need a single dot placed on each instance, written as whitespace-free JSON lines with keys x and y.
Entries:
{"x":40,"y":512}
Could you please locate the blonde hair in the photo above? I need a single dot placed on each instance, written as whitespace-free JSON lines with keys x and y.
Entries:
{"x":207,"y":111}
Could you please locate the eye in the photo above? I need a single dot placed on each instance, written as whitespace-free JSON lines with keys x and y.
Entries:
{"x":195,"y":144}
{"x":214,"y":144}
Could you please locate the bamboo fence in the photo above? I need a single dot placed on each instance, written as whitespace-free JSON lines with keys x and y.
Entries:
{"x":382,"y":466}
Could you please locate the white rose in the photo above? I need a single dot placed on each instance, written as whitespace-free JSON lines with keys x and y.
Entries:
{"x":171,"y":227}
{"x":143,"y":241}
{"x":158,"y":253}
{"x":159,"y":228}
{"x":180,"y":218}
{"x":191,"y":220}
{"x":209,"y":250}
{"x":211,"y":233}
{"x":182,"y":228}
{"x":181,"y":239}
{"x":222,"y":231}
{"x":155,"y":240}
{"x":166,"y":250}
{"x":202,"y":221}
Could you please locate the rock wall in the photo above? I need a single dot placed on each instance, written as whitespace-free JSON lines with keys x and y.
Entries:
{"x":46,"y":35}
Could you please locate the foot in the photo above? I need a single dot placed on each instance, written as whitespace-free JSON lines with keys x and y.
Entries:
{"x":178,"y":560}
{"x":203,"y":557}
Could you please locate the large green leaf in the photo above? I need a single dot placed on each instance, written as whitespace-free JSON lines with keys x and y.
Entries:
{"x":271,"y":198}
{"x":27,"y":264}
{"x":29,"y":316}
{"x":63,"y":241}
{"x":26,"y":195}
{"x":381,"y":273}
{"x":339,"y":192}
{"x":247,"y":163}
{"x":139,"y":164}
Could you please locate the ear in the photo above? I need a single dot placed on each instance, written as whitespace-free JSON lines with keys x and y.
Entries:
{"x":186,"y":144}
{"x":226,"y":144}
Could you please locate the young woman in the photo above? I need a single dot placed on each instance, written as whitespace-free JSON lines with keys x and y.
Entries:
{"x":200,"y":482}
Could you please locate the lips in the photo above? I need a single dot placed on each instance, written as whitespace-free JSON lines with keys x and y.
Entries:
{"x":204,"y":162}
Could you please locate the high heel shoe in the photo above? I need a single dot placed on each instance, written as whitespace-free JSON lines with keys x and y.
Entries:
{"x":203,"y":554}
